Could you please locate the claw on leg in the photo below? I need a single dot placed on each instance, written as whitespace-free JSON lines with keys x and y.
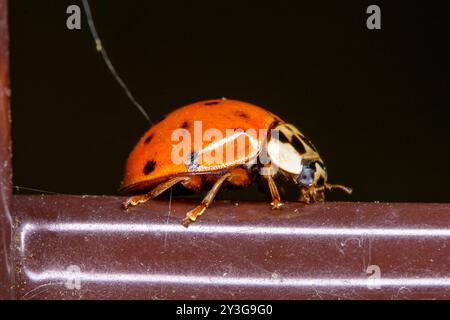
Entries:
{"x":192,"y":215}
{"x":276,"y":204}
{"x":276,"y":199}
{"x":135,"y":200}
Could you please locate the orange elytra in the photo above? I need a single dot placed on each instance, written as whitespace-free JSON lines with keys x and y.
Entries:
{"x":215,"y":143}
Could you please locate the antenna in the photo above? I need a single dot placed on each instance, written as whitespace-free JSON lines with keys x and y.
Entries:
{"x":99,"y":47}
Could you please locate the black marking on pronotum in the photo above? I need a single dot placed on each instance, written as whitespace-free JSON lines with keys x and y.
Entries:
{"x":184,"y":125}
{"x":192,"y":161}
{"x":148,"y":139}
{"x":309,"y":143}
{"x":149,"y":167}
{"x":298,"y":145}
{"x":320,"y":163}
{"x":211,"y":103}
{"x":282,"y":137}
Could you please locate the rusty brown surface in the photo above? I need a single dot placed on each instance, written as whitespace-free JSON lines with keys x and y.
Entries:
{"x":5,"y":156}
{"x":75,"y":247}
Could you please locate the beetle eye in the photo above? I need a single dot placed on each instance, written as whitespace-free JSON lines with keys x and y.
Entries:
{"x":306,"y":177}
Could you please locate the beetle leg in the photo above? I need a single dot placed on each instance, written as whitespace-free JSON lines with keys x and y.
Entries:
{"x":276,"y":199}
{"x":193,"y":183}
{"x":160,"y":188}
{"x":311,"y":194}
{"x":346,"y":189}
{"x":192,"y":215}
{"x":239,"y":178}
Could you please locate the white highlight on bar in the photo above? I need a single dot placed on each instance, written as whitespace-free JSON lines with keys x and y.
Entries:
{"x":254,"y":230}
{"x":233,"y":229}
{"x":56,"y":275}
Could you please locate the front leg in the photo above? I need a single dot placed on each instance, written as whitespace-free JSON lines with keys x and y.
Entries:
{"x":311,"y":194}
{"x":276,"y":199}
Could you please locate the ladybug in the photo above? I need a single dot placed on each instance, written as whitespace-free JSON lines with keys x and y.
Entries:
{"x":258,"y":146}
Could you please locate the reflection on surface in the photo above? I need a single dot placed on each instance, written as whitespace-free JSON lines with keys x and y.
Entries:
{"x":55,"y":274}
{"x":234,"y":281}
{"x":233,"y":229}
{"x":266,"y":230}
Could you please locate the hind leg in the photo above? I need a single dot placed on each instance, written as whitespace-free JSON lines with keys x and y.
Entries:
{"x":135,"y":200}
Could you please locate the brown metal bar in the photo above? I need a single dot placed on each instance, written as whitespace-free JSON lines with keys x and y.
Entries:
{"x":5,"y":158}
{"x":88,"y":247}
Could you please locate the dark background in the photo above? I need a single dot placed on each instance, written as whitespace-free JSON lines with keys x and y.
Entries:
{"x":375,"y":103}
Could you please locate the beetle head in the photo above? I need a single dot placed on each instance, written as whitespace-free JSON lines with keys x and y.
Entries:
{"x":312,"y":181}
{"x":298,"y":161}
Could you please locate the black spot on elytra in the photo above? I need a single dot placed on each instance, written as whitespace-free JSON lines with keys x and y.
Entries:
{"x":149,"y":166}
{"x":242,"y":115}
{"x":148,"y":139}
{"x":211,"y":103}
{"x":184,"y":125}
